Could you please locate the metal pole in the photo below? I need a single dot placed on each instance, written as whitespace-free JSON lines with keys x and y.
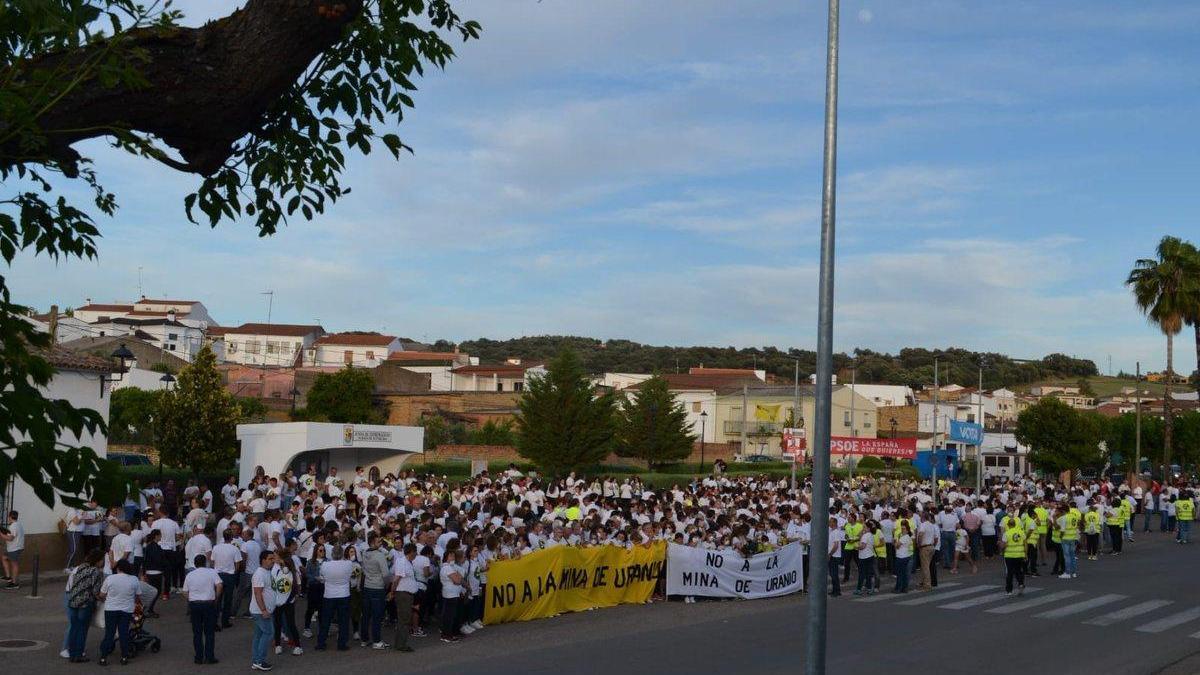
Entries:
{"x":853,"y":412}
{"x":37,"y":569}
{"x":795,"y":414}
{"x":745,"y":421}
{"x":703,"y":422}
{"x":979,"y":447}
{"x":1137,"y":392}
{"x":933,"y":456}
{"x":819,"y":541}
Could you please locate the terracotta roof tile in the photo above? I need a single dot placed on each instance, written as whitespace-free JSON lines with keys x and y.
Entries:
{"x":105,"y":308}
{"x":356,"y":339}
{"x":291,"y":330}
{"x":443,"y":357}
{"x":63,"y":359}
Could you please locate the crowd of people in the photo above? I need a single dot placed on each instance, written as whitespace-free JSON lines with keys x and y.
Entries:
{"x":303,"y":556}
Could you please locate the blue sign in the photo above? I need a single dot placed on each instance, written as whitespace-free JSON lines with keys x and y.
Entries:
{"x":966,"y":432}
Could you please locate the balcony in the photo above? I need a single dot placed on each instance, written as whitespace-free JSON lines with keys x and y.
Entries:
{"x":753,"y":428}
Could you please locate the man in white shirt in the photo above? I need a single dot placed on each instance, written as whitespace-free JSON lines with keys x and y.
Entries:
{"x":168,"y":531}
{"x":927,"y":541}
{"x":226,"y":557}
{"x":947,"y":524}
{"x":197,"y":545}
{"x":229,"y":492}
{"x":14,"y":545}
{"x":120,"y":548}
{"x":202,"y":586}
{"x":251,"y":550}
{"x":336,"y":574}
{"x":262,"y":608}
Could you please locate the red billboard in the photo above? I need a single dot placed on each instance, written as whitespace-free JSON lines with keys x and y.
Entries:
{"x":901,"y":448}
{"x":794,"y":444}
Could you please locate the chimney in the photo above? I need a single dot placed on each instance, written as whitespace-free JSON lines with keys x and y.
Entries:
{"x":171,"y":314}
{"x":53,"y":324}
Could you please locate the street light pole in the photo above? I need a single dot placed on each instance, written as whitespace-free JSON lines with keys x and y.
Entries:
{"x":1137,"y":402}
{"x":979,"y":446}
{"x":703,"y":423}
{"x":819,"y":541}
{"x":933,"y":457}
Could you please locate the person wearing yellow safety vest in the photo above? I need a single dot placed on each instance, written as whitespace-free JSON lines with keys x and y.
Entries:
{"x":1126,"y":515}
{"x":1091,"y":528}
{"x":1014,"y":559}
{"x":1056,"y":542}
{"x":1029,"y":522}
{"x":880,"y":552}
{"x":1043,"y":524}
{"x":1068,"y":524}
{"x":854,"y":531}
{"x":1185,"y":513}
{"x":1114,"y":520}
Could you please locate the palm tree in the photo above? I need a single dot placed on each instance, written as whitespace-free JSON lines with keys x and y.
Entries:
{"x":1191,"y":313}
{"x":1164,"y":289}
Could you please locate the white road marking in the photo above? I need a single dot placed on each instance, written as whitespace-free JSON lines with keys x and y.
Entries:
{"x":1128,"y":613}
{"x":984,"y":599}
{"x":938,"y":596}
{"x":1036,"y":602}
{"x":1080,"y":606}
{"x":887,"y":595}
{"x":1170,"y":621}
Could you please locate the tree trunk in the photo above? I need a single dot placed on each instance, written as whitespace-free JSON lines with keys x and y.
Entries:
{"x":1196,"y":382}
{"x":1168,"y":423}
{"x":204,"y":87}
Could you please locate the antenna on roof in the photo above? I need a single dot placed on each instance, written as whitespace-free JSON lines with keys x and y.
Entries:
{"x":270,"y":304}
{"x":141,"y":294}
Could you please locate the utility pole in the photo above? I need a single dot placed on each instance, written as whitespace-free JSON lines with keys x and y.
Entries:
{"x":933,"y":456}
{"x":1137,"y":392}
{"x":795,"y":414}
{"x":853,"y":413}
{"x":819,"y":541}
{"x":979,"y":447}
{"x":745,"y":404}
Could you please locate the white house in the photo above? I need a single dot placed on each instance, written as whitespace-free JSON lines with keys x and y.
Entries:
{"x":171,"y":335}
{"x":885,"y":394}
{"x":509,"y":376}
{"x":276,"y":447}
{"x":1004,"y":456}
{"x":81,"y":380}
{"x":620,"y":380}
{"x":190,"y":312}
{"x":269,"y":344}
{"x":361,"y":350}
{"x":438,"y":365}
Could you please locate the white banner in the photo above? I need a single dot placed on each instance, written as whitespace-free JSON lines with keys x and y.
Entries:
{"x":727,"y":574}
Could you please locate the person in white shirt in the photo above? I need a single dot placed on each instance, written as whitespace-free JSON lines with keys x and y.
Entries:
{"x":251,"y":550}
{"x":335,"y":606}
{"x":74,"y":523}
{"x":197,"y":545}
{"x":202,"y":586}
{"x":837,"y":536}
{"x":226,"y":557}
{"x":452,"y":575}
{"x":119,"y":593}
{"x":403,"y":590}
{"x":121,"y":548}
{"x":262,"y":608}
{"x":14,"y":544}
{"x":168,"y":531}
{"x":229,"y":492}
{"x":904,"y":551}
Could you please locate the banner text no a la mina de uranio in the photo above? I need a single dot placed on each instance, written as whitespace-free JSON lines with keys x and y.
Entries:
{"x":568,"y":579}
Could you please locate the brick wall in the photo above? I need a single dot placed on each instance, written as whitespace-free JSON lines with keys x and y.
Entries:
{"x":407,"y":409}
{"x":906,"y":420}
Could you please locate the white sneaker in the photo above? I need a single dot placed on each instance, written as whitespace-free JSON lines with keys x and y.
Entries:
{"x":278,"y":649}
{"x":380,"y":645}
{"x":478,"y":624}
{"x":467,"y":629}
{"x":66,"y":653}
{"x":307,"y":633}
{"x":1074,"y":576}
{"x":1064,"y":575}
{"x":298,"y":651}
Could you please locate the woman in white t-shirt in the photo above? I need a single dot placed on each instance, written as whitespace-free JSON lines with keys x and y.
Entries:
{"x":453,"y":580}
{"x":119,"y":593}
{"x":74,"y":523}
{"x":904,"y":551}
{"x":866,"y":560}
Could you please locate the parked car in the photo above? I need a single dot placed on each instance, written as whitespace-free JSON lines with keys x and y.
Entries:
{"x":129,"y":459}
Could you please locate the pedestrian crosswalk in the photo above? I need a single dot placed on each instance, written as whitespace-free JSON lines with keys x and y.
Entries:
{"x":1156,"y":615}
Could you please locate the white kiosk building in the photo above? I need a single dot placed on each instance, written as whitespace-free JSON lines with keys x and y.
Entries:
{"x":277,"y":447}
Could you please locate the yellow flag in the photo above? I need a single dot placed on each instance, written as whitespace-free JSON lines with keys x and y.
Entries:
{"x":766,"y":413}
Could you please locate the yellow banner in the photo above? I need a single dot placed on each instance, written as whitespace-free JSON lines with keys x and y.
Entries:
{"x":766,"y":413}
{"x":568,"y":579}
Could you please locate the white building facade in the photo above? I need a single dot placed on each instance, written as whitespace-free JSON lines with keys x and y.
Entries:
{"x":261,"y":344}
{"x":360,"y":350}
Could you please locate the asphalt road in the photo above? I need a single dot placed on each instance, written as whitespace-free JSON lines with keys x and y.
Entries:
{"x":1136,"y":613}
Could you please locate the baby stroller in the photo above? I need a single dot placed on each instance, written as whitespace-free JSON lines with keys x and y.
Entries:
{"x":141,"y":639}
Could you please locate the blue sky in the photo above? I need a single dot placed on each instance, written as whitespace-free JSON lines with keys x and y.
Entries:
{"x":651,"y":171}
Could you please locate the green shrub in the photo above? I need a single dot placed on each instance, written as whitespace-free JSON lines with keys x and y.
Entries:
{"x":867,"y":463}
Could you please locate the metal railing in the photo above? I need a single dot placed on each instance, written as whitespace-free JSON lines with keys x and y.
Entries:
{"x":753,"y":428}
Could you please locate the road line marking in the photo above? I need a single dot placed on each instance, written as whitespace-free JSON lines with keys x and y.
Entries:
{"x":983,"y":599}
{"x":1036,"y":602}
{"x":938,"y":596}
{"x":895,"y":596}
{"x":1170,"y":621}
{"x":1080,"y":606}
{"x":1128,"y":613}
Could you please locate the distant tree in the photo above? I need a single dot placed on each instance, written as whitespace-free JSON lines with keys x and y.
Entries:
{"x":131,"y":415}
{"x":252,"y":409}
{"x":493,"y":433}
{"x":439,"y":431}
{"x":163,"y":368}
{"x":196,"y":422}
{"x":652,"y":426}
{"x":563,"y":424}
{"x":1060,"y":438}
{"x":1085,"y":387}
{"x":346,"y":397}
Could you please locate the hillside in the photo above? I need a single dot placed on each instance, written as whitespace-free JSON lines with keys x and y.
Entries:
{"x":912,"y":366}
{"x":1109,"y":386}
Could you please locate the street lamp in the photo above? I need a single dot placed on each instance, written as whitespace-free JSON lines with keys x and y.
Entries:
{"x":703,"y":423}
{"x":894,"y":424}
{"x":167,"y":379}
{"x":123,"y":354}
{"x":294,"y":393}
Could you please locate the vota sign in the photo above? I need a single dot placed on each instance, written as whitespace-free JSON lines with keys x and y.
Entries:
{"x":900,"y":448}
{"x":966,"y":432}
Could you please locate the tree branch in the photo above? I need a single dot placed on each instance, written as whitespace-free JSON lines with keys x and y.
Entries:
{"x":205,"y":87}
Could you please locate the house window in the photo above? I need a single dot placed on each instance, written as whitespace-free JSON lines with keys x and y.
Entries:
{"x":518,"y":386}
{"x":696,"y":406}
{"x":296,"y":347}
{"x":170,"y":348}
{"x":846,"y":418}
{"x":101,"y":333}
{"x":499,"y":385}
{"x":370,"y":355}
{"x":252,"y":346}
{"x":348,"y":356}
{"x":272,"y":347}
{"x":232,"y":347}
{"x":172,"y":336}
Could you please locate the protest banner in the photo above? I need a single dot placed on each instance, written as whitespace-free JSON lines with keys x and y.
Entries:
{"x":569,"y":579}
{"x":900,"y":448}
{"x":728,"y":574}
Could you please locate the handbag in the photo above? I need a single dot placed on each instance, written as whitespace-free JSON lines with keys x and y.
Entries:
{"x":98,"y":615}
